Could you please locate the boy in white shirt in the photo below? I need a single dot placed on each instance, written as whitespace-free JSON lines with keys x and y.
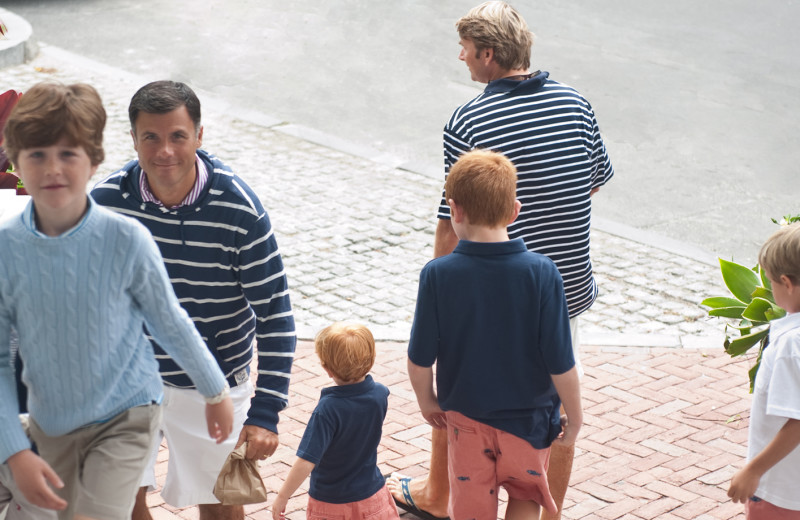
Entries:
{"x":768,"y":482}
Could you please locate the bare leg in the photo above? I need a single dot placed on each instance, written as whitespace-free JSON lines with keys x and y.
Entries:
{"x":140,"y":509}
{"x":558,"y":474}
{"x":220,"y":512}
{"x":522,"y":510}
{"x":430,"y":494}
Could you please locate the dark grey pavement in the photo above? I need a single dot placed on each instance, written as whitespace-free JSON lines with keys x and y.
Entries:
{"x":696,"y":100}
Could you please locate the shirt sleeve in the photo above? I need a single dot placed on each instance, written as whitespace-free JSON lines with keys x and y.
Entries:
{"x":316,"y":438}
{"x":264,"y":283}
{"x":602,"y":170}
{"x":783,"y":395}
{"x":166,"y":320}
{"x":455,"y":145}
{"x":423,"y":344}
{"x":12,"y":437}
{"x":555,"y":335}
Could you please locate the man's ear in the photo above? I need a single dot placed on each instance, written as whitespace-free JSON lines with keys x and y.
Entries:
{"x":135,"y":144}
{"x":487,"y":54}
{"x":200,"y":137}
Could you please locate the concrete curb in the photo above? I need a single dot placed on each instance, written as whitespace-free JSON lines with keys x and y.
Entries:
{"x":18,"y":46}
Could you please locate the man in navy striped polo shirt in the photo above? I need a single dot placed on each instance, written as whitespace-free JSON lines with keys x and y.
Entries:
{"x":225,"y":267}
{"x":549,"y":131}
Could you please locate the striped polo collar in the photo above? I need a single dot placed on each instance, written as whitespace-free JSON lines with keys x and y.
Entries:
{"x":500,"y":86}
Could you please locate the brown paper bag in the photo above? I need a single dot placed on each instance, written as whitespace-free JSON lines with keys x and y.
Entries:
{"x":238,"y":482}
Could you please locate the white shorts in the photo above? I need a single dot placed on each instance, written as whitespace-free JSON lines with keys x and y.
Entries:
{"x":18,"y":507}
{"x":576,"y":345}
{"x":195,"y":459}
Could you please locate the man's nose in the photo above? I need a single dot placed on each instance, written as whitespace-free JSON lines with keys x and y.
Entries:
{"x":165,"y":149}
{"x":461,"y":55}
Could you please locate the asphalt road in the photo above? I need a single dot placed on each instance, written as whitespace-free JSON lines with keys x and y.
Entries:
{"x":696,"y":100}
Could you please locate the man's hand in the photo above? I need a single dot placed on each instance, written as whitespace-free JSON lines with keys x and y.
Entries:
{"x":32,"y":475}
{"x":219,"y":419}
{"x":743,"y":485}
{"x":569,"y":434}
{"x":261,"y":443}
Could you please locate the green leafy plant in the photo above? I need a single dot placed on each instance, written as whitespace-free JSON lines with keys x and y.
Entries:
{"x":748,"y":309}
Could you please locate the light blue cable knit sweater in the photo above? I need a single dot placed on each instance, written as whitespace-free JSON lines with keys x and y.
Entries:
{"x":78,"y":302}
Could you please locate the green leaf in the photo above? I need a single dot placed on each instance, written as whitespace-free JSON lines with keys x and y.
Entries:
{"x":744,"y":327}
{"x":754,"y":370}
{"x":774,"y":313}
{"x":763,"y":292}
{"x":741,"y":345}
{"x":740,"y":280}
{"x":757,"y":309}
{"x":764,"y":280}
{"x":722,"y":301}
{"x":752,"y":374}
{"x":727,"y":312}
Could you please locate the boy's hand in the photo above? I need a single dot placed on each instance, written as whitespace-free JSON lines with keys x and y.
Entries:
{"x":743,"y":485}
{"x":219,"y":418}
{"x":434,"y":415}
{"x":34,"y":477}
{"x":279,"y":507}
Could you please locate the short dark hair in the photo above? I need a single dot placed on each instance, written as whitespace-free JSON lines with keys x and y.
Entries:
{"x":50,"y":111}
{"x":160,"y":97}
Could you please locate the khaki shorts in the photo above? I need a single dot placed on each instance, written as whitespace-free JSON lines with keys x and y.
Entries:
{"x":18,"y":507}
{"x":101,"y":464}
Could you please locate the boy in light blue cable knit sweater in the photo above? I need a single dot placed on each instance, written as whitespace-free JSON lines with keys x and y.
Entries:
{"x":78,"y":283}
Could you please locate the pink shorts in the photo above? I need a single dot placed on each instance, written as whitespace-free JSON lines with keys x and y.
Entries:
{"x":482,"y":458}
{"x":379,"y":506}
{"x":758,"y":509}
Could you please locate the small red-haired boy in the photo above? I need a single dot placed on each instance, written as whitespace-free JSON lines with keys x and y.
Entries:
{"x":339,"y":448}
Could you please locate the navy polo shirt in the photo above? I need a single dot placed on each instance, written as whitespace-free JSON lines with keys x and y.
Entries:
{"x":342,"y":439}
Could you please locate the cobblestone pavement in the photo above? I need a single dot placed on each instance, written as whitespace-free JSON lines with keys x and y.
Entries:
{"x":355,"y":233}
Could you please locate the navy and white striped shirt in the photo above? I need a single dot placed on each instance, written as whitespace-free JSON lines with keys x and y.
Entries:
{"x":549,"y":131}
{"x":225,"y":267}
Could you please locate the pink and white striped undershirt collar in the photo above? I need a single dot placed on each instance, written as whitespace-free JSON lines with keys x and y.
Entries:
{"x":191,"y":197}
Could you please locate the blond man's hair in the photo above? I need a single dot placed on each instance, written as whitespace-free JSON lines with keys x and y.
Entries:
{"x":780,"y":254}
{"x":346,"y":349}
{"x":484,"y":185}
{"x":498,"y":26}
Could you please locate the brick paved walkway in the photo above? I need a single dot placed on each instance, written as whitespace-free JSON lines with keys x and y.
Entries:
{"x":665,"y":430}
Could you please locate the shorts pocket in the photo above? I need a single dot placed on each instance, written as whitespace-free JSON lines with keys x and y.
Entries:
{"x":314,"y":515}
